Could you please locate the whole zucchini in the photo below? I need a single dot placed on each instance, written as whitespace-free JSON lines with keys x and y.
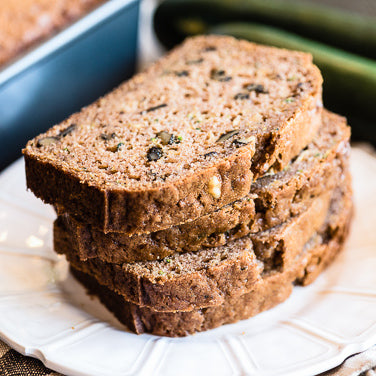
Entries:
{"x":176,"y":19}
{"x":349,"y":80}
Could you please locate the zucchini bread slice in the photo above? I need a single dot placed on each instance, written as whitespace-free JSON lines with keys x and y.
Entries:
{"x":205,"y":278}
{"x":182,"y":139}
{"x":273,"y":199}
{"x":270,"y":290}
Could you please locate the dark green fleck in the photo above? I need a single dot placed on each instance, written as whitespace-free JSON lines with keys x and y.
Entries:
{"x":299,"y":88}
{"x":240,"y":142}
{"x":68,"y":130}
{"x":210,"y":154}
{"x":225,"y":79}
{"x":183,"y":73}
{"x":154,"y":108}
{"x":259,"y":89}
{"x":227,"y":135}
{"x":241,"y":96}
{"x":219,"y":75}
{"x":106,"y":137}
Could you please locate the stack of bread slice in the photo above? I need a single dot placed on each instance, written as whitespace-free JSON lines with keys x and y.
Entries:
{"x":200,"y":191}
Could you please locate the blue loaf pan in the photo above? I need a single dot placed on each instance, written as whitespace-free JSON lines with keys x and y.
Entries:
{"x":65,"y":73}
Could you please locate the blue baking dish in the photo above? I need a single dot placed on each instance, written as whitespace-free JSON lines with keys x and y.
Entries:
{"x":66,"y":72}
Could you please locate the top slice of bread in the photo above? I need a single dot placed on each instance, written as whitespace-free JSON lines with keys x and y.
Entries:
{"x":182,"y":139}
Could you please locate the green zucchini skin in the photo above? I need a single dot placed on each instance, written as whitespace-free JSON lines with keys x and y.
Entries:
{"x":174,"y":19}
{"x":349,"y":80}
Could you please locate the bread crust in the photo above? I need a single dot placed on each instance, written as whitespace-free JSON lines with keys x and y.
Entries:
{"x":269,"y":291}
{"x":57,"y":178}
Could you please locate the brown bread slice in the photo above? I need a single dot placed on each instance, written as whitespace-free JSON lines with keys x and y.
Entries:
{"x":205,"y":278}
{"x":180,"y":282}
{"x":273,"y":199}
{"x":272,"y":289}
{"x":180,"y":140}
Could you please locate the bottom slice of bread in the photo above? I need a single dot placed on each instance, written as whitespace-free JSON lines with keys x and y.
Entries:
{"x":272,"y":289}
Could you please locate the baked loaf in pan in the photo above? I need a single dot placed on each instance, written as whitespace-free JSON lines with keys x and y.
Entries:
{"x":206,"y":278}
{"x":180,"y":140}
{"x":26,"y":22}
{"x":272,"y":200}
{"x":269,"y":290}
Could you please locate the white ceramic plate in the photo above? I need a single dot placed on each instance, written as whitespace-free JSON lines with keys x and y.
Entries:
{"x":46,"y":314}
